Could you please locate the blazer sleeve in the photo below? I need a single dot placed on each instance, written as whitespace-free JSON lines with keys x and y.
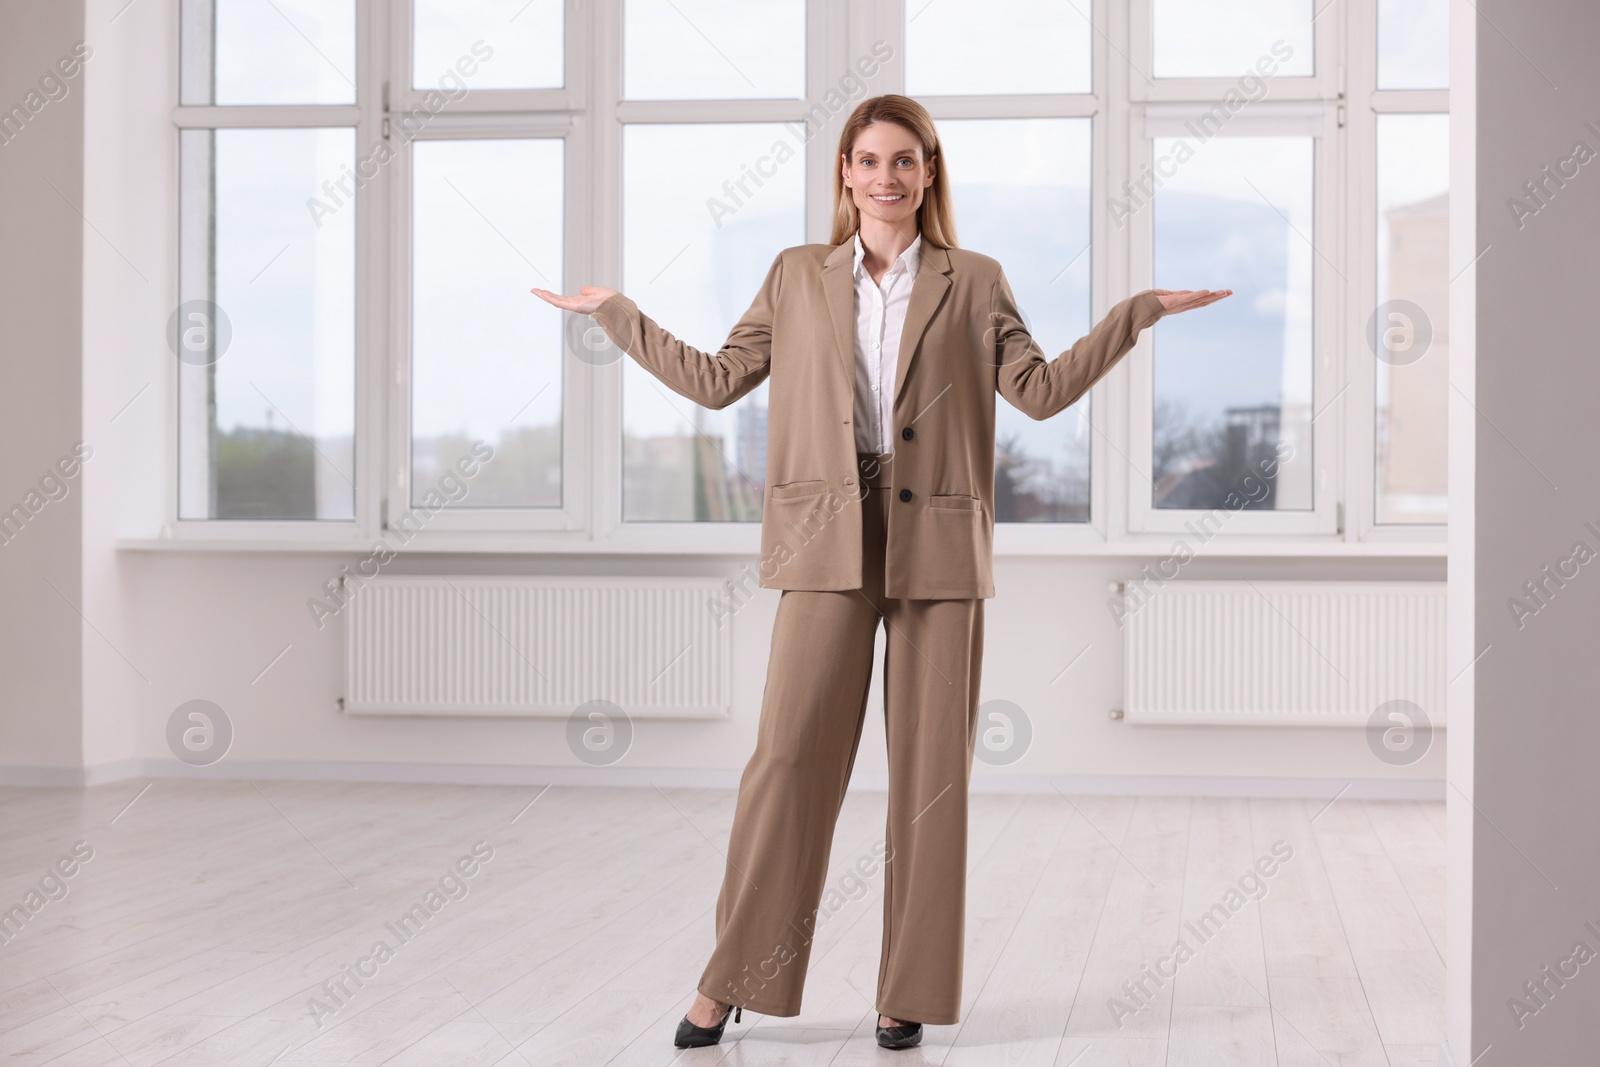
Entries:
{"x":1039,"y":388}
{"x":714,"y":380}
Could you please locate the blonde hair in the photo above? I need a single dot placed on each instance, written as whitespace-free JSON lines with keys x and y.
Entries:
{"x":935,"y":218}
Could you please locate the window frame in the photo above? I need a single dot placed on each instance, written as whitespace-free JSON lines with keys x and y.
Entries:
{"x":1367,"y":103}
{"x":1322,"y":84}
{"x":493,"y":114}
{"x":588,"y":113}
{"x":399,"y":510}
{"x":1056,"y":538}
{"x":1289,"y":118}
{"x":367,"y":327}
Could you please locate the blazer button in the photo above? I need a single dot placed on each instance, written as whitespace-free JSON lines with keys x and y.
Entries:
{"x":905,"y":494}
{"x":907,"y":434}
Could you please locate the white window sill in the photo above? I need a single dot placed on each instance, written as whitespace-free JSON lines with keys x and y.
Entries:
{"x":744,"y":543}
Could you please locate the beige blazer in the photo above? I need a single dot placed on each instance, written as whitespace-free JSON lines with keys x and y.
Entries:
{"x":963,"y":342}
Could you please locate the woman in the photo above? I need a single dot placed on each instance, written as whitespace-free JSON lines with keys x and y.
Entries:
{"x":885,"y":349}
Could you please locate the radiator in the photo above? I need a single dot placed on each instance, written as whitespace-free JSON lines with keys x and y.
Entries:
{"x":538,"y":646}
{"x":1294,"y":653}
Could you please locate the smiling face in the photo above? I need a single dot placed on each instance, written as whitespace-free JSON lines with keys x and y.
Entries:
{"x":887,"y":173}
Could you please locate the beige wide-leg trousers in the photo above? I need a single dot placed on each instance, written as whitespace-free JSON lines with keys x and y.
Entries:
{"x":773,"y":902}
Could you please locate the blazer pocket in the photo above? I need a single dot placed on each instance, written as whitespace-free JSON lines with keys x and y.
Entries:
{"x":788,"y":489}
{"x":955,"y":502}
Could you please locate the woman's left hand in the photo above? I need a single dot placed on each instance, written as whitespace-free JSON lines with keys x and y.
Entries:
{"x":1176,"y":300}
{"x":593,"y":296}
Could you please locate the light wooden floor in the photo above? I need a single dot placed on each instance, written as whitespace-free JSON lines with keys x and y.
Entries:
{"x":211,"y":912}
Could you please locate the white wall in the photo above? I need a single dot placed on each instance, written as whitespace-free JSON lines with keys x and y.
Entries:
{"x":182,"y":625}
{"x":208,"y":623}
{"x":1461,"y":586}
{"x":1525,"y":862}
{"x":41,"y":237}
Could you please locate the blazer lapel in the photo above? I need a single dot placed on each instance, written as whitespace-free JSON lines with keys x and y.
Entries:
{"x":839,"y":291}
{"x":927,"y":292}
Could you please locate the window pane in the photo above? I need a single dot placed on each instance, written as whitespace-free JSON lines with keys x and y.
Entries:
{"x":696,"y":273}
{"x":485,"y":354}
{"x":714,"y":49}
{"x":266,"y":333}
{"x":1041,"y":468}
{"x":1410,"y":330}
{"x":1006,"y":46}
{"x":504,"y":44}
{"x":268,"y":52}
{"x":1413,"y":44}
{"x":1234,"y":381}
{"x":1226,"y":39}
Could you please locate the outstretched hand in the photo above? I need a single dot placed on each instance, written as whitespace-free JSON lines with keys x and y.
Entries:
{"x":1176,"y":300}
{"x":593,"y":296}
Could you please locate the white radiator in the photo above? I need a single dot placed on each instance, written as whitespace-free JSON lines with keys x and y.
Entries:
{"x":1297,"y":653}
{"x":538,"y":646}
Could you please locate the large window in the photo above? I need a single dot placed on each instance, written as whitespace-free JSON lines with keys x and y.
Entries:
{"x":486,"y":362}
{"x":697,"y":263}
{"x":1231,"y":387}
{"x":369,"y":188}
{"x":1406,"y":147}
{"x":523,"y":38}
{"x":241,"y":52}
{"x":1041,"y":467}
{"x":1410,"y":324}
{"x":1222,"y":38}
{"x":706,"y":205}
{"x":265,"y":323}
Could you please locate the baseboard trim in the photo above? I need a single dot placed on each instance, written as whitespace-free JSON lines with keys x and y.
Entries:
{"x":710,"y":778}
{"x":18,"y":774}
{"x":1197,"y":786}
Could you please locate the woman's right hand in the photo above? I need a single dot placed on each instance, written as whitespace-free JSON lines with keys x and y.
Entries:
{"x":593,"y":296}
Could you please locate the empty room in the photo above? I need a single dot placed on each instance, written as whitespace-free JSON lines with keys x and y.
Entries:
{"x":806,"y":532}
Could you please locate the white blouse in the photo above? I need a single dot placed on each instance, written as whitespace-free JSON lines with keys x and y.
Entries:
{"x":880,"y":317}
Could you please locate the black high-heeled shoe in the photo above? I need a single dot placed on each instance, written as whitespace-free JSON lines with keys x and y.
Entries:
{"x":903,"y":1036}
{"x":692,"y":1036}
